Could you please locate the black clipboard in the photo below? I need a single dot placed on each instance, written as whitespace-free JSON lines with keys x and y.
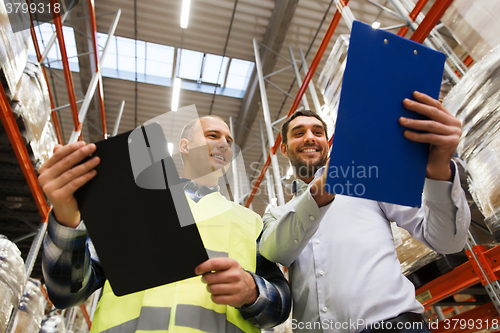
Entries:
{"x":137,"y":231}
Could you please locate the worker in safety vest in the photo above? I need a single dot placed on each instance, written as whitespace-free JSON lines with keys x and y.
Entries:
{"x":240,"y":291}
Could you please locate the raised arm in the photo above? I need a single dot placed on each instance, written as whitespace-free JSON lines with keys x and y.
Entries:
{"x":444,"y":218}
{"x":288,"y":228}
{"x":71,"y":270}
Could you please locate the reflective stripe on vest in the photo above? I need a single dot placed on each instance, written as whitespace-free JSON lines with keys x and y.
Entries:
{"x":152,"y":319}
{"x":216,"y":254}
{"x":192,"y":316}
{"x":202,"y":319}
{"x":129,"y":326}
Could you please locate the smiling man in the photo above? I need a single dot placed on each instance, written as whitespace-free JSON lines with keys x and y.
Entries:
{"x":237,"y":291}
{"x":206,"y":146}
{"x":344,"y":270}
{"x":306,"y":156}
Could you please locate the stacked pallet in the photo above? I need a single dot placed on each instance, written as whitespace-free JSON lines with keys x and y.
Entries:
{"x":12,"y":273}
{"x":476,"y":102}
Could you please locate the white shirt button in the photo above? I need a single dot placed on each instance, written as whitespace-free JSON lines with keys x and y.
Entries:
{"x":317,"y":241}
{"x":324,"y":309}
{"x":311,"y":218}
{"x":321,"y":273}
{"x":295,"y":241}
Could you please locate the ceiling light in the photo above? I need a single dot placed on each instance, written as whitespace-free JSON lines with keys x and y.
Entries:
{"x":175,"y":93}
{"x":185,"y":13}
{"x":376,"y":25}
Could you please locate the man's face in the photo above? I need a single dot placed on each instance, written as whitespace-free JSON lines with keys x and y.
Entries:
{"x":214,"y":134}
{"x":307,"y":146}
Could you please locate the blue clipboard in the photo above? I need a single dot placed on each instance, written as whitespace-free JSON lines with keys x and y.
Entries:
{"x":370,"y":157}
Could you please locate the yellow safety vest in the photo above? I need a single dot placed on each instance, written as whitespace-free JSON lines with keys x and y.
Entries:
{"x":226,"y":229}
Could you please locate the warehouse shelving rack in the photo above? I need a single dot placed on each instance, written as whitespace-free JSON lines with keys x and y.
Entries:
{"x":483,"y":264}
{"x":16,"y":140}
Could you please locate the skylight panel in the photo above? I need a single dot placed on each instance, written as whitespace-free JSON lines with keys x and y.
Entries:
{"x":239,"y":74}
{"x":110,"y":59}
{"x":46,"y":33}
{"x":126,"y":55}
{"x":69,"y":40}
{"x":160,"y":60}
{"x":190,"y":64}
{"x":155,"y":63}
{"x":211,"y":67}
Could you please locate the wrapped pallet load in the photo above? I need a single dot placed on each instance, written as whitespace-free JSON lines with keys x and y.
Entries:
{"x":476,"y":102}
{"x":12,"y":273}
{"x":412,"y":254}
{"x":330,"y":80}
{"x":474,"y":25}
{"x":14,"y":39}
{"x":31,"y":103}
{"x":53,"y":323}
{"x":31,"y":309}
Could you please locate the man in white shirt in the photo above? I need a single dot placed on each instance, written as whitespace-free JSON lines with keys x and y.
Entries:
{"x":344,"y":271}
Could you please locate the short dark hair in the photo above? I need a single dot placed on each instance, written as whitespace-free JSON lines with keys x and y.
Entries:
{"x":301,"y":113}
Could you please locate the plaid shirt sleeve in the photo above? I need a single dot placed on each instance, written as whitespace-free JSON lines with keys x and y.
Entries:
{"x":70,"y":265}
{"x":274,"y":302}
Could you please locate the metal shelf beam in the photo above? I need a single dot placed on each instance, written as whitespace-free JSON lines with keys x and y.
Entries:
{"x":457,"y":280}
{"x":413,"y":15}
{"x":431,"y":19}
{"x":17,"y":142}
{"x":93,"y":26}
{"x":53,"y":114}
{"x":67,"y":72}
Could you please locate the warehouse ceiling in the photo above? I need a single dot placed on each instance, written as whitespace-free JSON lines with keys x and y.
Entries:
{"x":220,"y":27}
